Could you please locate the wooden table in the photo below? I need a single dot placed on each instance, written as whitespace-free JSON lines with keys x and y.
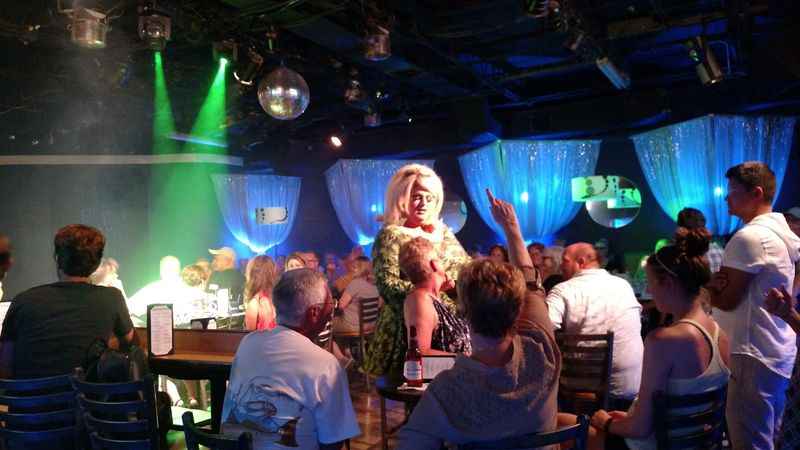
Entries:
{"x":388,"y":389}
{"x":199,"y":355}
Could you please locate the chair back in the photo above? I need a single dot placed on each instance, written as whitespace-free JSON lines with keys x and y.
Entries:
{"x":40,"y":413}
{"x":101,"y":443}
{"x":120,"y":413}
{"x":195,"y":438}
{"x":585,"y":371}
{"x":694,"y":421}
{"x":325,"y":337}
{"x":579,"y":433}
{"x":368,"y":311}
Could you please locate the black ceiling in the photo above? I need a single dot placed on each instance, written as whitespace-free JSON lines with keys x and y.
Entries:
{"x":512,"y":55}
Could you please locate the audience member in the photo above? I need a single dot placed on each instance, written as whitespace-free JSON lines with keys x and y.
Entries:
{"x":284,"y":389}
{"x":191,"y":301}
{"x":498,"y":253}
{"x":362,"y":286}
{"x":690,"y":356}
{"x":760,"y":256}
{"x":311,"y":259}
{"x":107,"y":274}
{"x":592,"y":301}
{"x":536,"y":251}
{"x":610,"y":260}
{"x":6,"y":260}
{"x":225,"y":275}
{"x":692,"y":218}
{"x":509,"y":384}
{"x":165,"y":290}
{"x":49,"y":328}
{"x":551,"y":267}
{"x":261,"y":277}
{"x":348,"y":264}
{"x":294,"y":261}
{"x":439,"y":329}
{"x":204,"y":264}
{"x":783,"y":305}
{"x":792,"y":216}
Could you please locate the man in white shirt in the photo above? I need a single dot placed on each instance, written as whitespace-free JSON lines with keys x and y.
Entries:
{"x":760,"y":256}
{"x":592,"y":301}
{"x":284,"y":389}
{"x":6,"y":260}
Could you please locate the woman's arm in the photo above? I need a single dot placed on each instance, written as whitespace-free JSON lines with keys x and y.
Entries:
{"x":386,"y":266}
{"x":420,"y":313}
{"x":345,"y":300}
{"x":655,"y":373}
{"x":505,"y":216}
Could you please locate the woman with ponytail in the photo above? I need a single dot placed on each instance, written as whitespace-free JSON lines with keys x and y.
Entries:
{"x":688,"y":357}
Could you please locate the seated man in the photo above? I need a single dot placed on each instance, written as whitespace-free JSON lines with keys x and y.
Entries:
{"x":592,"y":301}
{"x":284,"y":389}
{"x":508,"y":386}
{"x":49,"y":328}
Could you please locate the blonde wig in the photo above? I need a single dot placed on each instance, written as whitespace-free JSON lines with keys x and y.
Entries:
{"x":398,"y":193}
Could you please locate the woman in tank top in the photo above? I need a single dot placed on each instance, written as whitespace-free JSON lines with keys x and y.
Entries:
{"x":688,"y":357}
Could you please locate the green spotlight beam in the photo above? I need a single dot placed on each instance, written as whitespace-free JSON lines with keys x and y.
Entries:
{"x":163,"y":121}
{"x":210,"y":122}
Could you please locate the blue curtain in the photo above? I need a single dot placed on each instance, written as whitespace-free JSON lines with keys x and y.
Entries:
{"x":240,"y":195}
{"x":535,"y":176}
{"x":685,"y":163}
{"x":357,"y":188}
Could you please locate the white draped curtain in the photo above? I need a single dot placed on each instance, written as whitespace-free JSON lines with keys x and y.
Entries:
{"x":534,"y":176}
{"x":685,"y":163}
{"x":240,"y":195}
{"x":357,"y":188}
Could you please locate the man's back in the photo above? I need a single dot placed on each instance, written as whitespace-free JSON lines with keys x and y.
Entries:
{"x":595,"y":302}
{"x":288,"y":392}
{"x":52,"y":326}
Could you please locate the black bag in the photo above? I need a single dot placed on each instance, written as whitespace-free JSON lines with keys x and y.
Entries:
{"x":107,"y":365}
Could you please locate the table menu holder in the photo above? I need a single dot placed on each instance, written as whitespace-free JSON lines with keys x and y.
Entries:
{"x":160,"y":330}
{"x":435,"y":364}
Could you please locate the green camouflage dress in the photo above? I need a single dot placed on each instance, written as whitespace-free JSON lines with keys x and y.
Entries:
{"x":387,"y":350}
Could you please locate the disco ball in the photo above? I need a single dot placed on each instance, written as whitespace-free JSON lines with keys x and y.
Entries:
{"x":283,"y":94}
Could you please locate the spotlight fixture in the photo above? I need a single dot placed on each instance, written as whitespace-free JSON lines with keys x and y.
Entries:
{"x":377,"y":44}
{"x":226,"y":49}
{"x":335,"y":141}
{"x":155,"y":25}
{"x":372,"y":118}
{"x":615,"y":75}
{"x":354,"y":93}
{"x":88,"y":27}
{"x":246,"y":73}
{"x":706,"y":64}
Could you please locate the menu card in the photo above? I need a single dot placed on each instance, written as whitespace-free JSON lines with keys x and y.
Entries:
{"x":433,"y":365}
{"x":3,"y":311}
{"x":161,"y":339}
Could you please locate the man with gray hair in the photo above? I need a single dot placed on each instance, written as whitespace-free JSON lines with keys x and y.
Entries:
{"x":284,"y":389}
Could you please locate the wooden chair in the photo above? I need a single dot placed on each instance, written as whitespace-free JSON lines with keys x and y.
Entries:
{"x":368,"y":312}
{"x":195,"y":438}
{"x":101,"y":443}
{"x":585,"y":371}
{"x":325,"y":337}
{"x":122,"y":415}
{"x":578,"y":433}
{"x":690,"y":421}
{"x":40,"y":413}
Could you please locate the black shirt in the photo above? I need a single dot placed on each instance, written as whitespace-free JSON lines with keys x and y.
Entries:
{"x":53,"y":325}
{"x":230,"y":279}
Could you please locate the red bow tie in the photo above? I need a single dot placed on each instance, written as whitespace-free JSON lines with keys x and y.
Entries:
{"x":428,"y":228}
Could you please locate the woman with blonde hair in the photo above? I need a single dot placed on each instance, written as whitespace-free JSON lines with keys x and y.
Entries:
{"x":261,"y":277}
{"x":362,"y":286}
{"x":294,"y":261}
{"x":413,"y":205}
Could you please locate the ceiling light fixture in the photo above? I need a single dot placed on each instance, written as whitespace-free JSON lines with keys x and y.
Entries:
{"x":155,"y":25}
{"x":618,"y":77}
{"x":335,"y":141}
{"x":706,"y":64}
{"x":88,"y":27}
{"x":377,"y":44}
{"x":246,"y":73}
{"x":284,"y":94}
{"x":372,"y":118}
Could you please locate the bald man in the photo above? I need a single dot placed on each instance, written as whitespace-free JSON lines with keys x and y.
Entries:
{"x":592,"y":301}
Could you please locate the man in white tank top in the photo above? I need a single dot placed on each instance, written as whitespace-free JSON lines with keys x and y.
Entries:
{"x":760,"y":256}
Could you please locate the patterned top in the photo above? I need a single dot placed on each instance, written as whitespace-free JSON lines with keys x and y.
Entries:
{"x":388,"y":348}
{"x":452,"y":332}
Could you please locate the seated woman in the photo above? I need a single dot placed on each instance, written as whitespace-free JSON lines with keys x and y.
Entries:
{"x":498,"y":253}
{"x":551,"y":267}
{"x":688,"y":357}
{"x":509,"y":384}
{"x":362,"y":286}
{"x":261,"y":277}
{"x":439,"y":329}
